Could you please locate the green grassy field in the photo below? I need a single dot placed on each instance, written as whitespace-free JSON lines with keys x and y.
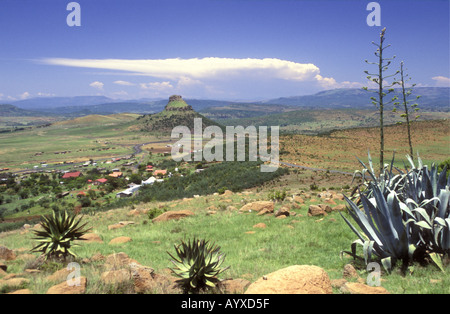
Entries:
{"x":250,"y":252}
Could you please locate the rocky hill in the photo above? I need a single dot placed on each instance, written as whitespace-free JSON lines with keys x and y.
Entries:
{"x":176,"y":113}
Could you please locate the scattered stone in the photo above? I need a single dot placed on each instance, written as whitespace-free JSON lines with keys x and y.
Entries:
{"x":359,"y":288}
{"x":339,"y":196}
{"x":91,"y":238}
{"x":118,"y":260}
{"x":211,"y":212}
{"x":299,"y":199}
{"x":65,"y":288}
{"x":338,"y":283}
{"x":7,"y":254}
{"x":121,"y":224}
{"x":231,"y":208}
{"x":350,"y":272}
{"x":325,"y":207}
{"x":340,"y":207}
{"x":282,"y":217}
{"x":173,"y":215}
{"x":297,"y":279}
{"x":233,"y":286}
{"x":134,"y":212}
{"x":283,"y":211}
{"x":120,"y":240}
{"x":60,"y":275}
{"x":260,"y":225}
{"x":14,"y":282}
{"x":258,"y":206}
{"x":315,"y":210}
{"x":22,"y":291}
{"x":119,"y":276}
{"x":250,"y":232}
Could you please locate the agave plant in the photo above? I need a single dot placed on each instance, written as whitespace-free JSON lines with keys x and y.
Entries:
{"x":403,"y":215}
{"x":387,"y":181}
{"x":383,"y":232}
{"x":59,"y":231}
{"x":198,"y":263}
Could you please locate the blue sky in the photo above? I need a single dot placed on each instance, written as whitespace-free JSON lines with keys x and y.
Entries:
{"x":217,"y":49}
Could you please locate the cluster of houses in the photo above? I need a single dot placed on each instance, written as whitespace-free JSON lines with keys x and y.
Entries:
{"x":132,"y":187}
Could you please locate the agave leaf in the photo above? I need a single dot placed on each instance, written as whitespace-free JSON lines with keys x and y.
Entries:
{"x":437,"y":259}
{"x":387,"y":264}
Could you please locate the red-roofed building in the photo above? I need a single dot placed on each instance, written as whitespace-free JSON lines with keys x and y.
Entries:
{"x":100,"y":181}
{"x":160,"y":172}
{"x":69,"y":175}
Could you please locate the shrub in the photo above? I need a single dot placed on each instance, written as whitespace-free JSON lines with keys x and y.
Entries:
{"x":198,"y":263}
{"x":59,"y":231}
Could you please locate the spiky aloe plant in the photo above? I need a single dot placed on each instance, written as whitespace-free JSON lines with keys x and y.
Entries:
{"x":198,"y":263}
{"x":59,"y":231}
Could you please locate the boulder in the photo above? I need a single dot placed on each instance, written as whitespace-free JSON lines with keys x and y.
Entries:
{"x":118,"y":260}
{"x":7,"y":254}
{"x":65,"y":288}
{"x":260,"y":225}
{"x":233,"y":286}
{"x":266,"y":206}
{"x":297,"y":279}
{"x":119,"y":276}
{"x":120,"y":240}
{"x":120,"y":224}
{"x":91,"y":238}
{"x":360,"y":288}
{"x":283,"y":211}
{"x":315,"y":210}
{"x":350,"y":272}
{"x":173,"y":215}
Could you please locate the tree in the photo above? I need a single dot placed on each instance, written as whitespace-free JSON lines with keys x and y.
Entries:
{"x":380,"y":80}
{"x":406,"y":113}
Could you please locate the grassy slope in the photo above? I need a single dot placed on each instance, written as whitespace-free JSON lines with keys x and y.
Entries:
{"x":292,"y":241}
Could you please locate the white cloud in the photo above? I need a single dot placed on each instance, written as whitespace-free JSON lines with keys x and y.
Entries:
{"x":156,"y":85}
{"x":45,"y":94}
{"x":98,"y":85}
{"x":25,"y":95}
{"x":442,"y":81}
{"x":175,"y":69}
{"x":1,"y":95}
{"x":331,"y":83}
{"x":124,"y":83}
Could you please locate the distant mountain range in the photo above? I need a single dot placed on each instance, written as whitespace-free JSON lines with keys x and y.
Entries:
{"x":432,"y":99}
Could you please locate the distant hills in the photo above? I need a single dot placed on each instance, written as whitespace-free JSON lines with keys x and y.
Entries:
{"x":433,"y":99}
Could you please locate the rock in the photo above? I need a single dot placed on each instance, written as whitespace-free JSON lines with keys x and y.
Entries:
{"x":3,"y":266}
{"x":91,"y":238}
{"x":60,"y":275}
{"x":315,"y":210}
{"x":281,"y":217}
{"x":120,"y":240}
{"x":65,"y":288}
{"x":233,"y":286}
{"x":227,"y":193}
{"x":231,"y":208}
{"x":339,"y":196}
{"x":297,"y":279}
{"x":340,"y":207}
{"x":299,"y":199}
{"x":121,"y":224}
{"x":325,"y":207}
{"x":350,"y":272}
{"x":134,"y":212}
{"x":14,"y":282}
{"x":22,"y":291}
{"x":7,"y":254}
{"x":118,"y":260}
{"x":173,"y":215}
{"x":338,"y":283}
{"x":260,"y":225}
{"x":119,"y":276}
{"x":282,"y":211}
{"x":330,"y":201}
{"x":258,"y":206}
{"x":359,"y":288}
